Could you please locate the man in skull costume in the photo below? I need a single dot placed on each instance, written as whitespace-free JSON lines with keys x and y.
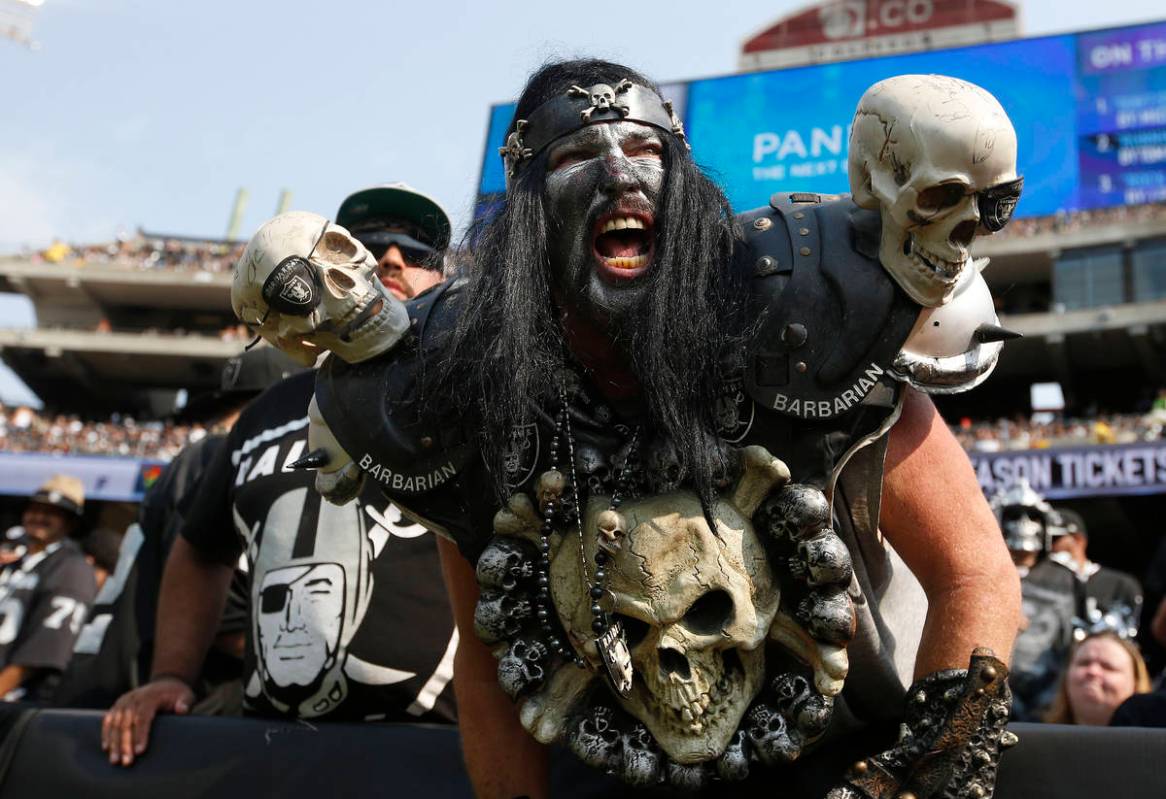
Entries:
{"x":621,"y":367}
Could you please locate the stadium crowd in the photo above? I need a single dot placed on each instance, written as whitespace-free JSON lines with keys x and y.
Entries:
{"x":147,"y":252}
{"x":23,"y":429}
{"x":1066,"y":222}
{"x":1019,"y":432}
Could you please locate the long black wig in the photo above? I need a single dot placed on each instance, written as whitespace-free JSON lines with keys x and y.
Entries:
{"x":508,"y":346}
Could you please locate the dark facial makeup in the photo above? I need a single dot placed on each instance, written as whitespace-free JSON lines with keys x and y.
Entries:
{"x":602,"y":189}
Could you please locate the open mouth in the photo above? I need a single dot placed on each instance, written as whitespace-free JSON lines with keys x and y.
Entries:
{"x":623,"y":243}
{"x":931,"y":264}
{"x":371,"y":311}
{"x":691,"y":711}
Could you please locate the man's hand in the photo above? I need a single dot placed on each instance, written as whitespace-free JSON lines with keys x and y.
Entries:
{"x":950,"y":741}
{"x":125,"y":730}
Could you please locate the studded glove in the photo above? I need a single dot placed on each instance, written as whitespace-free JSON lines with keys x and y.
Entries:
{"x":949,"y":743}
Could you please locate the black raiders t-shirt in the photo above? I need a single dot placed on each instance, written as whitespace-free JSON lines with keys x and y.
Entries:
{"x":43,"y":601}
{"x":349,"y":617}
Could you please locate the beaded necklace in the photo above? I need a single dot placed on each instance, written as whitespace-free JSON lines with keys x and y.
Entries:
{"x":610,"y":638}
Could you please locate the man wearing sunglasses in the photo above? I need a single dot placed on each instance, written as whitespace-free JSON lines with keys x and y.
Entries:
{"x":406,"y":231}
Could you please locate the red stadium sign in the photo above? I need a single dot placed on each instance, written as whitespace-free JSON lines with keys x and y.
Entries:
{"x":855,"y":28}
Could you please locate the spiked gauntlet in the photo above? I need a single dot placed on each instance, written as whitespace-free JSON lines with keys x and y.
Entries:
{"x":949,"y":743}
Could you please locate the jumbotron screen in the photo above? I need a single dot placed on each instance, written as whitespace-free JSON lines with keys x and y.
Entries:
{"x":1089,"y":111}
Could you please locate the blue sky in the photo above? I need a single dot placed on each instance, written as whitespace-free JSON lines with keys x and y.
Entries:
{"x":153,"y":114}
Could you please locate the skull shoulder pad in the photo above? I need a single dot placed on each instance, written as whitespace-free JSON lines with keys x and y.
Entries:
{"x":830,"y":322}
{"x":407,"y":450}
{"x":832,"y":319}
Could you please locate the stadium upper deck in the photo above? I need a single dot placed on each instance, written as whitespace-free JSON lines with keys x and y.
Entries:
{"x":123,"y":326}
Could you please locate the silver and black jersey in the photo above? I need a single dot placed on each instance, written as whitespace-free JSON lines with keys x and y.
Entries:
{"x":43,"y":601}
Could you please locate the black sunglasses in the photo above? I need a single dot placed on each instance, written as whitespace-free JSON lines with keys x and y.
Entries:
{"x":414,"y":252}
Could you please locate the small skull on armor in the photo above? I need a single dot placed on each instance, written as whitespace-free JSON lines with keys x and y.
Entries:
{"x":642,"y":763}
{"x":500,"y":615}
{"x":770,"y":736}
{"x":521,"y":670}
{"x":504,"y":563}
{"x":596,"y":740}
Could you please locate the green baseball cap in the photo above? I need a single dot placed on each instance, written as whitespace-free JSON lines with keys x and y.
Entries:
{"x":396,"y":202}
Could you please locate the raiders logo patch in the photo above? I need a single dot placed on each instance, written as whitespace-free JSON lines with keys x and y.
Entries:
{"x":998,"y":203}
{"x":734,"y":411}
{"x":291,"y":288}
{"x":521,"y":456}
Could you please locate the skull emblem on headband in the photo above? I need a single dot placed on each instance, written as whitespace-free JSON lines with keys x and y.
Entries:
{"x":602,"y":98}
{"x":306,"y":285}
{"x":937,"y":157}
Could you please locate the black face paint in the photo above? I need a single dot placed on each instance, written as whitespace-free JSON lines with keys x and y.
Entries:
{"x":596,"y":172}
{"x":997,"y":203}
{"x":292,"y":288}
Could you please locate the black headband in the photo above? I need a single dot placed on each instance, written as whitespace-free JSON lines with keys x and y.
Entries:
{"x":578,"y":108}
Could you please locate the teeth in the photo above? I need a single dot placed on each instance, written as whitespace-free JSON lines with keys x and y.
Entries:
{"x":622,"y":222}
{"x":931,"y":264}
{"x":630,"y":262}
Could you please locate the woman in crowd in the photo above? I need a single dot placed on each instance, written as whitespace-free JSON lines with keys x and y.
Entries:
{"x":1104,"y":671}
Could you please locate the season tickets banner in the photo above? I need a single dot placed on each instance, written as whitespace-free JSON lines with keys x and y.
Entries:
{"x":1104,"y":470}
{"x":1089,"y":111}
{"x":104,"y":478}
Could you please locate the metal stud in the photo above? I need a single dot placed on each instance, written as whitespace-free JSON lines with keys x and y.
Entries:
{"x":794,"y":335}
{"x":762,"y":223}
{"x":799,"y":215}
{"x":990,"y":674}
{"x":801,"y":366}
{"x":804,"y":250}
{"x":804,"y":231}
{"x":426,"y":442}
{"x":765,"y":266}
{"x":860,"y":767}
